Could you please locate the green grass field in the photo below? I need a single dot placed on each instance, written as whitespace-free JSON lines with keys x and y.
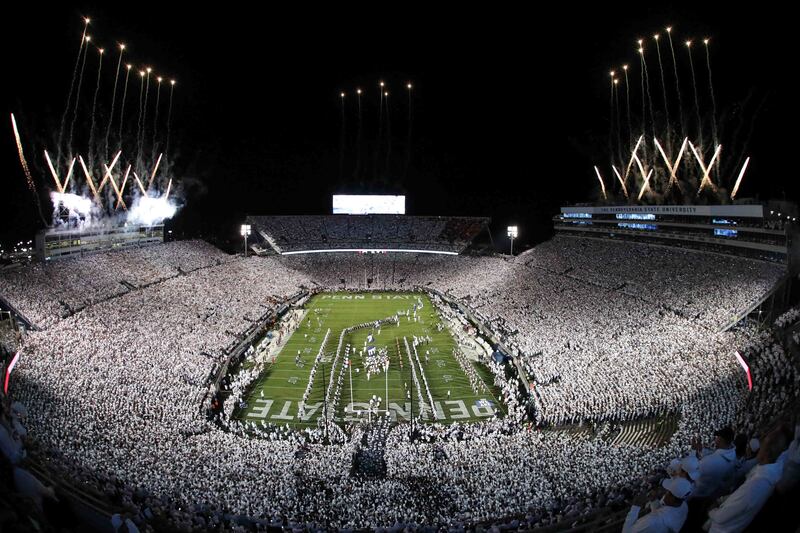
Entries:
{"x":276,"y":395}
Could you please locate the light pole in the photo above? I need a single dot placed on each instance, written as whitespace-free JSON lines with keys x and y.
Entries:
{"x":325,"y":400}
{"x":512,"y":234}
{"x":350,"y":367}
{"x":386,"y":371}
{"x":245,"y":232}
{"x":411,"y":374}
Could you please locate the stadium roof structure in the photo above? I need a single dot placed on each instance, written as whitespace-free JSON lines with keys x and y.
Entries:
{"x":368,"y":233}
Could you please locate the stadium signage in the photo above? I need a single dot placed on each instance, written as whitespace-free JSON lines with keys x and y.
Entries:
{"x":369,"y":251}
{"x":9,"y":369}
{"x":745,"y":211}
{"x":363,"y":296}
{"x":746,"y":369}
{"x":287,"y":410}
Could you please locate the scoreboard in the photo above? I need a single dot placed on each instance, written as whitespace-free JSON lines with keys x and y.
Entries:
{"x":368,"y":204}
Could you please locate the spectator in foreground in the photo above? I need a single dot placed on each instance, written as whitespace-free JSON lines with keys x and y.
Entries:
{"x":669,"y":516}
{"x":717,"y":467}
{"x":739,"y":509}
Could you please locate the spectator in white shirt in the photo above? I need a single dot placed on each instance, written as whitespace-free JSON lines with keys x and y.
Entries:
{"x":669,"y":517}
{"x":716,"y":468}
{"x":689,"y":468}
{"x":739,"y":509}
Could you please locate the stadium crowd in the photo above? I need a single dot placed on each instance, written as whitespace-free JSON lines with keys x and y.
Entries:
{"x":51,"y":291}
{"x":113,"y":384}
{"x":293,"y":233}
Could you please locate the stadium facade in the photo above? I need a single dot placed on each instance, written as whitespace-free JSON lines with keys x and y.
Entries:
{"x":61,"y":243}
{"x":735,"y":229}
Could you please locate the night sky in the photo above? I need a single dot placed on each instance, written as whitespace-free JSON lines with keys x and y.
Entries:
{"x":510,"y":108}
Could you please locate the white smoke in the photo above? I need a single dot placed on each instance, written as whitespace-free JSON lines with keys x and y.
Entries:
{"x":149,"y":211}
{"x":77,"y":209}
{"x":74,"y":211}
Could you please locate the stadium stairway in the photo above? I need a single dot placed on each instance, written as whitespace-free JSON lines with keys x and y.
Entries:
{"x":369,"y":459}
{"x":646,"y":432}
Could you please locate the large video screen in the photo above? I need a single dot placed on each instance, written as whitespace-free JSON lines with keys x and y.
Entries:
{"x":368,"y":204}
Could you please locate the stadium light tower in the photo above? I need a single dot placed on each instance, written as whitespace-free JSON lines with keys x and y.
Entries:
{"x":245,"y":231}
{"x":386,"y":374}
{"x":512,"y":234}
{"x":350,"y":368}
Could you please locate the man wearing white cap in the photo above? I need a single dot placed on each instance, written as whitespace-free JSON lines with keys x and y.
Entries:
{"x":669,"y":517}
{"x":739,"y":509}
{"x":673,"y":468}
{"x":689,"y":468}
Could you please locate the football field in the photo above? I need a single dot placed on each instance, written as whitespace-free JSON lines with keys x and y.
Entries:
{"x":276,"y":396}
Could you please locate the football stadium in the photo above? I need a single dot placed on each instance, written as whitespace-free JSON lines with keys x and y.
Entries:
{"x":367,"y":366}
{"x":344,"y":316}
